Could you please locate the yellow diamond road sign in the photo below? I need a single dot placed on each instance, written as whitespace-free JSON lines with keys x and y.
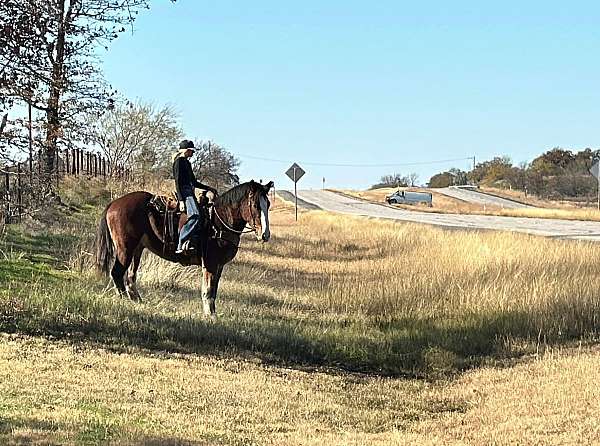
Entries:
{"x":295,"y":172}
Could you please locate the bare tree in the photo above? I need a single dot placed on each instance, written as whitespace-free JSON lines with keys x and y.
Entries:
{"x":395,"y":180}
{"x":215,"y":165}
{"x":141,"y":136}
{"x":51,"y":62}
{"x":413,"y":178}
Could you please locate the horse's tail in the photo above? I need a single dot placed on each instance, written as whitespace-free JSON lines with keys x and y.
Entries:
{"x":105,"y":248}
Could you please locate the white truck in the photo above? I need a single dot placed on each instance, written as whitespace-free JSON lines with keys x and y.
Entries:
{"x":407,"y":197}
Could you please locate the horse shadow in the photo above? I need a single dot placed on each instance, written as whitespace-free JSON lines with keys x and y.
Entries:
{"x":285,"y":334}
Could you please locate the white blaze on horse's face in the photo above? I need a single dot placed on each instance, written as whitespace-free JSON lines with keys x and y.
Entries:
{"x":264,"y":219}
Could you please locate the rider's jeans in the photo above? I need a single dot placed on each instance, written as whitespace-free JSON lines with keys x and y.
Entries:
{"x":191,"y":209}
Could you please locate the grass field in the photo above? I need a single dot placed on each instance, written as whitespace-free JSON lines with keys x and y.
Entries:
{"x":448,"y":205}
{"x":341,"y":330}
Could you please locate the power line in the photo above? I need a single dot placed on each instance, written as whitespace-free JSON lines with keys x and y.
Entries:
{"x":309,"y":163}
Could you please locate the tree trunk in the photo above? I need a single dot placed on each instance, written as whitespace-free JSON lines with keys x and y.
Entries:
{"x":56,"y":89}
{"x":3,"y":123}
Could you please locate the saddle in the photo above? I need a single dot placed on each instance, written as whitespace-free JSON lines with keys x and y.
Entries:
{"x":169,"y":210}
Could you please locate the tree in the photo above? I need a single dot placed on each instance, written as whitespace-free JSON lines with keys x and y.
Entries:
{"x":444,"y":179}
{"x":412,"y":179}
{"x":140,"y":136}
{"x":556,"y":158}
{"x":587,"y":156}
{"x":52,"y":61}
{"x":394,"y":180}
{"x":20,"y":48}
{"x":215,"y":165}
{"x":489,"y":172}
{"x":459,"y":177}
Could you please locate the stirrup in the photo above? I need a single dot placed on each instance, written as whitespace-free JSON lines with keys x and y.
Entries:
{"x":186,"y":247}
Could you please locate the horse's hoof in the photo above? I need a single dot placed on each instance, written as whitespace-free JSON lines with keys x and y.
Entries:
{"x":209,"y":307}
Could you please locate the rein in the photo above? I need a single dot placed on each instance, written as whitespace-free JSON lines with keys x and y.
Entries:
{"x":229,"y":228}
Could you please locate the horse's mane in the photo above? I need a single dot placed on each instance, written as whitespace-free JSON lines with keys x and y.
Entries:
{"x":234,"y":195}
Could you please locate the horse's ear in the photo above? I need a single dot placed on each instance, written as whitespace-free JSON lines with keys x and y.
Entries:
{"x":267,"y":187}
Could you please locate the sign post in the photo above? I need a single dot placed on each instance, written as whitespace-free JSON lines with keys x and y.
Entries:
{"x":295,"y":172}
{"x":595,"y":170}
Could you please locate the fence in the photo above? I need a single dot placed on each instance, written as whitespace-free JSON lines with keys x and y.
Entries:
{"x":24,"y":179}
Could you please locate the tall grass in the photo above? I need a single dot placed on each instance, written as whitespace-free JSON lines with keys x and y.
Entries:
{"x":345,"y":292}
{"x":395,"y":298}
{"x":327,"y":295}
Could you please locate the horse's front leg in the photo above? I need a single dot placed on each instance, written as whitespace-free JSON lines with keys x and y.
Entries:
{"x":210,"y":285}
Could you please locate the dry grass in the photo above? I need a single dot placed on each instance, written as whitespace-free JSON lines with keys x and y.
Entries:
{"x":550,"y":400}
{"x":441,"y":203}
{"x":539,"y":202}
{"x":85,"y":395}
{"x":447,"y":205}
{"x":340,"y":331}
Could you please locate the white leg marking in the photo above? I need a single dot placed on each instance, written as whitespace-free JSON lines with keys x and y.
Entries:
{"x":264,"y":219}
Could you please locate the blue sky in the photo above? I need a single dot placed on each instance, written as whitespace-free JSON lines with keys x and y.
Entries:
{"x":366,"y":83}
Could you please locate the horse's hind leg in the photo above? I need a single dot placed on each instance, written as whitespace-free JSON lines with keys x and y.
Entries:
{"x":118,"y":275}
{"x":130,"y":285}
{"x":210,"y":285}
{"x":125,"y":253}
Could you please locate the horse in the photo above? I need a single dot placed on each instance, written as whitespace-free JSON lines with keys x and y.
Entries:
{"x":131,"y":224}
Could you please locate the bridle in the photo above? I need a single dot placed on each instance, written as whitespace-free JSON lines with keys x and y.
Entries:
{"x":229,"y":228}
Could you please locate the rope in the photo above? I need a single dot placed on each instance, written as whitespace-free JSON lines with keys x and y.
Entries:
{"x":229,"y":227}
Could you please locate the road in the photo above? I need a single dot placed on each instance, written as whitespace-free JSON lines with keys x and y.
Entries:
{"x":473,"y":196}
{"x":564,"y":229}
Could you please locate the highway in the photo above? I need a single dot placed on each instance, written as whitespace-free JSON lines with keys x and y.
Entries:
{"x":483,"y":199}
{"x":563,"y":229}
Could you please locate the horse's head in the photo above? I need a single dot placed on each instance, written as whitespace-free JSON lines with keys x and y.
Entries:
{"x":255,"y":211}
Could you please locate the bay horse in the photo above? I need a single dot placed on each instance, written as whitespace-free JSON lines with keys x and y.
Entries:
{"x":131,"y":224}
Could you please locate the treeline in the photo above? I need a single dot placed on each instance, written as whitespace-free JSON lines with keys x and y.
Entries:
{"x":144,"y":138}
{"x":397,"y":180}
{"x":59,"y":115}
{"x":557,"y":173}
{"x":54,"y":98}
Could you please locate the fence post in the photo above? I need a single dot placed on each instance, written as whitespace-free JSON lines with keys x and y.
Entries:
{"x":7,"y":196}
{"x":19,"y":193}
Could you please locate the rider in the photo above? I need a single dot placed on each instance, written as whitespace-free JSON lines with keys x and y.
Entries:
{"x":186,"y":182}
